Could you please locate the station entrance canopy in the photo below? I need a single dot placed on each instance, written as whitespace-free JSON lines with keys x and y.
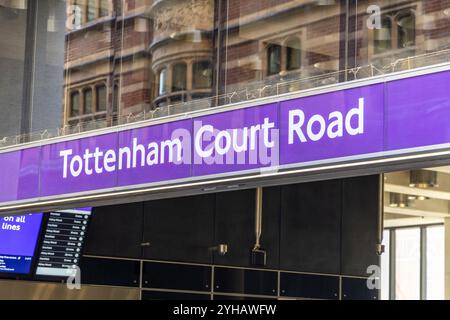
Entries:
{"x":359,"y":124}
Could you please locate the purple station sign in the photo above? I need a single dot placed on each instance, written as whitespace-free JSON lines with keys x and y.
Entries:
{"x":363,"y":122}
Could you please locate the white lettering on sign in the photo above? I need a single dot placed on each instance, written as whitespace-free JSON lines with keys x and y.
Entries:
{"x":168,"y":151}
{"x":315,"y":128}
{"x":233,"y":140}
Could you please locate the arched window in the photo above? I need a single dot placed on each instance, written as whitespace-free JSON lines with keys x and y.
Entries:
{"x":74,"y":104}
{"x":100,"y":92}
{"x":202,"y":75}
{"x":179,"y":73}
{"x":383,"y":36}
{"x":273,"y":59}
{"x":293,"y":54}
{"x":406,"y":28}
{"x":162,"y":82}
{"x":87,"y":97}
{"x":91,"y":9}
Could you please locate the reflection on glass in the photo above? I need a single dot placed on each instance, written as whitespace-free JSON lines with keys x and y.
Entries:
{"x":75,"y":104}
{"x":91,"y":9}
{"x":385,"y":261}
{"x":293,"y":54}
{"x":87,"y":101}
{"x":103,"y":10}
{"x":101,"y":98}
{"x":238,"y":50}
{"x":78,"y":12}
{"x":179,"y":77}
{"x":202,"y":75}
{"x":162,"y":82}
{"x":273,"y":59}
{"x":407,"y":260}
{"x":116,"y":95}
{"x":383,"y":36}
{"x":435,"y":263}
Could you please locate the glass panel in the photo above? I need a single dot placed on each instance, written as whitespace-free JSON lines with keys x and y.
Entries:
{"x":179,"y":77}
{"x":396,"y":35}
{"x":385,"y":269}
{"x":87,"y":97}
{"x":407,"y":261}
{"x":101,"y":98}
{"x":202,"y":74}
{"x":74,"y":104}
{"x":273,"y":59}
{"x":237,"y":50}
{"x":104,"y":8}
{"x":78,"y":13}
{"x":91,"y":10}
{"x":162,"y":82}
{"x":406,"y":30}
{"x":116,"y":95}
{"x":382,"y":40}
{"x":435,"y":263}
{"x":293,"y":48}
{"x":12,"y":57}
{"x":257,"y":52}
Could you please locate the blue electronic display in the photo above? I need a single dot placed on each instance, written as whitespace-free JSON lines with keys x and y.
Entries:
{"x":18,"y":237}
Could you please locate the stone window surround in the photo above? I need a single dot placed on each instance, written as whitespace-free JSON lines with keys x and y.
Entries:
{"x":80,"y":91}
{"x":393,"y":15}
{"x":85,"y":9}
{"x":169,"y":77}
{"x":284,"y":54}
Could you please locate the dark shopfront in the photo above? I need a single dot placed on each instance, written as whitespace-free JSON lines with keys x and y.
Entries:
{"x":174,"y":248}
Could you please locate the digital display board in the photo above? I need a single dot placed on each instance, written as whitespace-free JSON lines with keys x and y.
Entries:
{"x":62,"y":243}
{"x":18,"y":238}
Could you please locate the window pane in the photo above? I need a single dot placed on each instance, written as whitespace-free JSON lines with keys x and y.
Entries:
{"x":383,"y":36}
{"x":12,"y":56}
{"x":273,"y":59}
{"x":88,"y":101}
{"x":179,"y":77}
{"x":407,"y":261}
{"x":293,"y":55}
{"x":74,"y":104}
{"x":78,"y":14}
{"x":385,"y":269}
{"x":435,"y":263}
{"x":116,"y":95}
{"x":162,"y":82}
{"x":101,"y":98}
{"x":103,"y":11}
{"x":91,"y":10}
{"x":406,"y":31}
{"x":202,"y":77}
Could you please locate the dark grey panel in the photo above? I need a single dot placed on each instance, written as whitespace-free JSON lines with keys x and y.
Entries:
{"x":270,"y":238}
{"x":359,"y":224}
{"x":176,"y":276}
{"x":179,"y":229}
{"x":225,"y":297}
{"x":310,"y":227}
{"x":309,"y":286}
{"x":234,"y":226}
{"x":357,"y":289}
{"x":116,"y":231}
{"x":257,"y":282}
{"x":160,"y":295}
{"x":110,"y":272}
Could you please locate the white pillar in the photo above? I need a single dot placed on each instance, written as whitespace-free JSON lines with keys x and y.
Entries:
{"x":447,"y":258}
